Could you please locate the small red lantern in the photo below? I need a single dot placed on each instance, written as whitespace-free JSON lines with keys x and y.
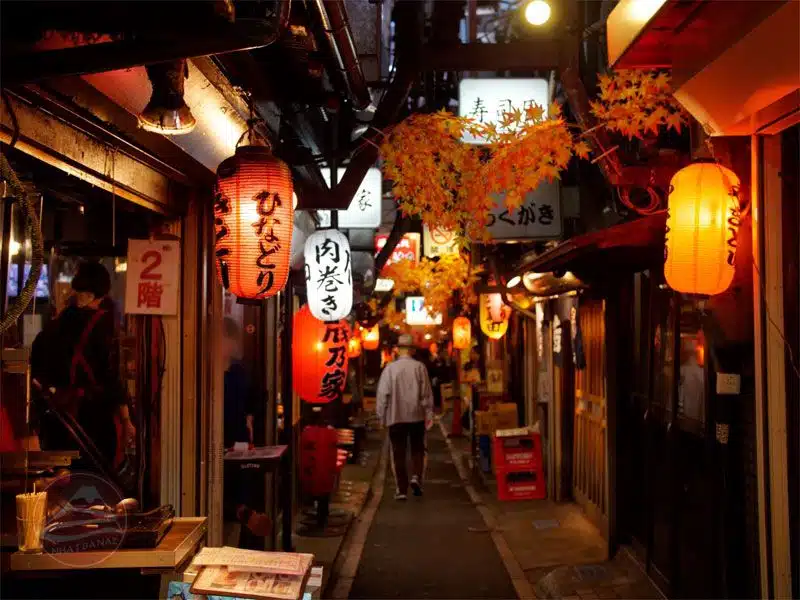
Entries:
{"x":354,"y":347}
{"x":371,"y":338}
{"x":462,"y":333}
{"x":319,"y":357}
{"x":253,"y":220}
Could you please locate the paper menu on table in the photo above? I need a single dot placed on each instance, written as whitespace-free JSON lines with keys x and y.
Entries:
{"x":237,"y":559}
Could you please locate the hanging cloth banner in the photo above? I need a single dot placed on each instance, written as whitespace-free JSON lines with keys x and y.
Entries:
{"x":558,"y":352}
{"x":578,"y":355}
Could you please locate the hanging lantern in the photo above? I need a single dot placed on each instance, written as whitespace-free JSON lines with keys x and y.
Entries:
{"x":462,"y":333}
{"x":493,"y":328}
{"x":371,"y":338}
{"x":497,"y":308}
{"x":319,"y":357}
{"x":253,"y":219}
{"x":329,"y":281}
{"x":702,"y":226}
{"x":354,"y":347}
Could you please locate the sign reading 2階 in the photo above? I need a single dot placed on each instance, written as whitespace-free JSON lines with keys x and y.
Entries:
{"x":153,"y":277}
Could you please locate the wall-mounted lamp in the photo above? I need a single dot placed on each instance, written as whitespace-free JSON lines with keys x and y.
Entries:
{"x":537,"y":12}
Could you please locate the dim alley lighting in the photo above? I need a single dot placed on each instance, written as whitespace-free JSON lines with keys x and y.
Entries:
{"x":513,"y":282}
{"x":537,"y":12}
{"x":427,"y":336}
{"x":14,"y":247}
{"x":120,"y":265}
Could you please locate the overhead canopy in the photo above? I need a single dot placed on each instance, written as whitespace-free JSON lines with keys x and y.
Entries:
{"x":631,"y":246}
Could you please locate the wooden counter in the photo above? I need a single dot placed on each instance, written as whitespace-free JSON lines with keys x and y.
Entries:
{"x":178,"y":545}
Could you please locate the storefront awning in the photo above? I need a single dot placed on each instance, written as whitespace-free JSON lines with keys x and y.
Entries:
{"x":631,"y":246}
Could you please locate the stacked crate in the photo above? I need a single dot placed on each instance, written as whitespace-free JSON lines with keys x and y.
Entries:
{"x":517,"y":455}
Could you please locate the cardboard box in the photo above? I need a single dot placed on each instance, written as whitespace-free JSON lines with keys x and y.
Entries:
{"x":484,"y":422}
{"x":504,"y":415}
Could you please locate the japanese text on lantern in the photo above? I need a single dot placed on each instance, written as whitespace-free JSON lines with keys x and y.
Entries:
{"x":329,"y":282}
{"x":152,"y":277}
{"x":334,"y":379}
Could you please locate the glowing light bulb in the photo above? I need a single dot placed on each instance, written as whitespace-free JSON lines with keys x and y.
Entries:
{"x":14,"y":247}
{"x":537,"y":12}
{"x":513,"y":282}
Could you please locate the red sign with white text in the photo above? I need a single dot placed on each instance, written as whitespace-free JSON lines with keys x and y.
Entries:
{"x":153,"y":276}
{"x":407,"y":248}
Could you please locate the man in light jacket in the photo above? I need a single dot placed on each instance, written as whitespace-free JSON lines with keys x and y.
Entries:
{"x":405,"y":406}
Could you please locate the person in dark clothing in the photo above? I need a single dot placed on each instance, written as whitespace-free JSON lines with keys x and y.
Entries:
{"x":238,"y":391}
{"x":76,"y":359}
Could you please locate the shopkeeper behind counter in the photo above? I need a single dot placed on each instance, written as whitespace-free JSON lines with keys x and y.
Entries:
{"x":75,"y":357}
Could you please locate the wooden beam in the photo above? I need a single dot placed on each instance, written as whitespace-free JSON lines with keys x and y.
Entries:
{"x":59,"y":144}
{"x":223,"y":37}
{"x":540,"y":54}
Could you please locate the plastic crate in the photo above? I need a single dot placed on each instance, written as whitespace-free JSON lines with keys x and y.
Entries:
{"x":517,"y":452}
{"x":520,"y":484}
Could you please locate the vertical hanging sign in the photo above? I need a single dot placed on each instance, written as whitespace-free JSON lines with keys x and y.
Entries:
{"x":153,"y":277}
{"x":578,"y":356}
{"x":329,"y":281}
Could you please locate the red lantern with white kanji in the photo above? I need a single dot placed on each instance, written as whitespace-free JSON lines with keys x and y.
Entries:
{"x":253,"y":220}
{"x":319,"y":357}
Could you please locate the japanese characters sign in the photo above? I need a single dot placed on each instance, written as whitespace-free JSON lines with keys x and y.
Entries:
{"x":539,"y":217}
{"x":319,"y":357}
{"x":364,"y":211}
{"x":418,"y":314}
{"x":486,"y":100}
{"x":153,"y":277}
{"x":329,"y":280}
{"x":438,"y":241}
{"x":407,"y":248}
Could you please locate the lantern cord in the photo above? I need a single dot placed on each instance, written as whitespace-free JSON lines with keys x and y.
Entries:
{"x":652,"y":207}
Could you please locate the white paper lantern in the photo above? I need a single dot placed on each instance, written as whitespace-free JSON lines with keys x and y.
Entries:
{"x":329,"y":280}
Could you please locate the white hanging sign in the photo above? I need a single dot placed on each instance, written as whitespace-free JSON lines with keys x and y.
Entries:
{"x":538,"y":218}
{"x":364,"y":211}
{"x":329,"y":280}
{"x":153,"y":277}
{"x":438,"y":241}
{"x":417,"y":313}
{"x":486,"y":100}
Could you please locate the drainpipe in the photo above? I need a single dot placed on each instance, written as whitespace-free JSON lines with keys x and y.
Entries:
{"x":336,"y":27}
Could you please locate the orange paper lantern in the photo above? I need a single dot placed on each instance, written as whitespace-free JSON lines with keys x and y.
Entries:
{"x":462,"y":333}
{"x":354,"y":347}
{"x":492,"y":327}
{"x":702,"y":226}
{"x":253,"y":219}
{"x":319,"y":357}
{"x":371,"y":338}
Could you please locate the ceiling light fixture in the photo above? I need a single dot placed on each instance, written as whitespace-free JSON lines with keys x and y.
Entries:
{"x":514,"y":281}
{"x":166,"y":112}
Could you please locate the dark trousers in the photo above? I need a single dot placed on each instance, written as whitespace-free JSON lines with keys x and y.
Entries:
{"x":399,"y":435}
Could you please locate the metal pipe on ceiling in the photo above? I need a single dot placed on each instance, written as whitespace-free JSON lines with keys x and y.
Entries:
{"x":336,"y":27}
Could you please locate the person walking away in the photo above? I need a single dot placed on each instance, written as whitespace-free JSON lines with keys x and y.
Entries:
{"x":75,"y":357}
{"x":405,"y":406}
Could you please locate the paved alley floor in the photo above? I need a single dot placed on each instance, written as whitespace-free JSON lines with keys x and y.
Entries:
{"x":437,"y":546}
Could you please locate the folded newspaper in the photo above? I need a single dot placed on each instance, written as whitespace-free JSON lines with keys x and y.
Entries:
{"x":255,"y":561}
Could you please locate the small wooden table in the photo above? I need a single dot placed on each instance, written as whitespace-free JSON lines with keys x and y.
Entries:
{"x":166,"y":560}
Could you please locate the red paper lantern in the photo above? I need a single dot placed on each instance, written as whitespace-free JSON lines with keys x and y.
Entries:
{"x":319,"y":357}
{"x":253,"y":219}
{"x":354,"y":347}
{"x":371,"y":338}
{"x":462,"y":333}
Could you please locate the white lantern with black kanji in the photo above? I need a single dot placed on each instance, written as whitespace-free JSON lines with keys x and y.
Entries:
{"x":329,"y":280}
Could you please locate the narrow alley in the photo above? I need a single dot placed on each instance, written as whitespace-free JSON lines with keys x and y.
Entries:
{"x":459,"y":541}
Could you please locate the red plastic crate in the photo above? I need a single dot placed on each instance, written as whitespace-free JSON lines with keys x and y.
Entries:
{"x":521,"y":484}
{"x":517,"y":452}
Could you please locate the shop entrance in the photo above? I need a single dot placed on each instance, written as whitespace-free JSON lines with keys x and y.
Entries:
{"x":589,"y":455}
